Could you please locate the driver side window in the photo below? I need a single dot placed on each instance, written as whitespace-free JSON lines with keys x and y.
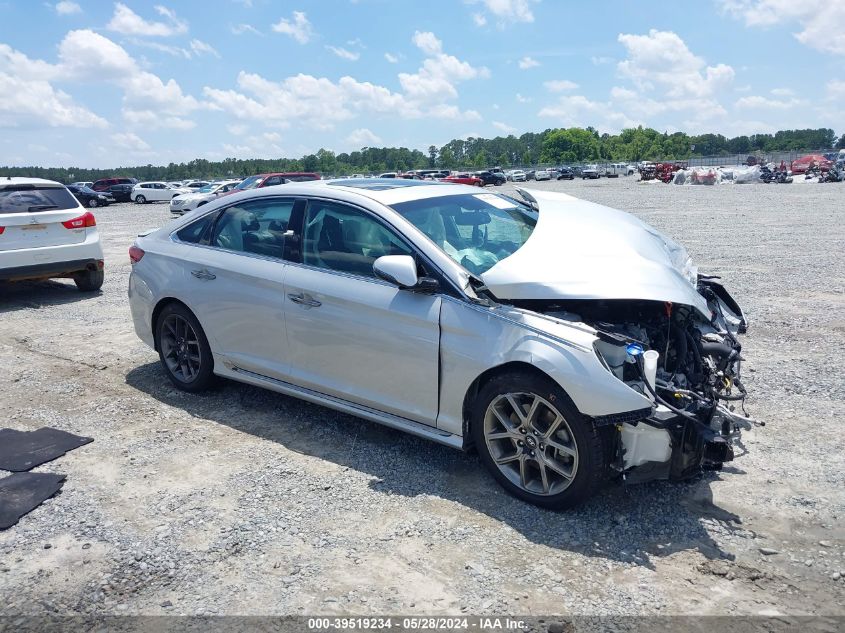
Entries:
{"x":340,"y":238}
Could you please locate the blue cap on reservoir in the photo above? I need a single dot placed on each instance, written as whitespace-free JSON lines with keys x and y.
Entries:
{"x":634,"y":349}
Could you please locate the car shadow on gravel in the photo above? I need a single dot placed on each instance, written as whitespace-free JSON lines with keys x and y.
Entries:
{"x":634,"y":523}
{"x":20,"y":295}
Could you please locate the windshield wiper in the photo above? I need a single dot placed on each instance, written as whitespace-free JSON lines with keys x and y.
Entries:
{"x":42,"y":207}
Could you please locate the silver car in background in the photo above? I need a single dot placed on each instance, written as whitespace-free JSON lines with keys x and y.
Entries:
{"x":567,"y":342}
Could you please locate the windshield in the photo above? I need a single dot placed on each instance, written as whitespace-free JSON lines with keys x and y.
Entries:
{"x":208,"y":188}
{"x":30,"y":198}
{"x":250,"y":183}
{"x":476,"y":230}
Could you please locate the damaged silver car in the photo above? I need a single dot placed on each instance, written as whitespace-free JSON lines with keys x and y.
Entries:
{"x":568,"y":343}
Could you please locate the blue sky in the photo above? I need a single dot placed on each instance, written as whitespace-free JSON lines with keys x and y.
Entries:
{"x":95,"y":83}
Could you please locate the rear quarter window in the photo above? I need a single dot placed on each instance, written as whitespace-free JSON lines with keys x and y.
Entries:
{"x":196,"y":231}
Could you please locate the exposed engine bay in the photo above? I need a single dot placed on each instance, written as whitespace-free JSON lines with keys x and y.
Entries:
{"x":689,"y":367}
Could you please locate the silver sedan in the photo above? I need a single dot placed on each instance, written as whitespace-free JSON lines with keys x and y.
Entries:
{"x":567,"y":343}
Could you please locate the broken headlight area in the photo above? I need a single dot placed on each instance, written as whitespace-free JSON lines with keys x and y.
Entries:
{"x":689,"y":367}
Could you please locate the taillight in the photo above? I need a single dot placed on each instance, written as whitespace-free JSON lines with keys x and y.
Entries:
{"x":135,"y":254}
{"x":83,"y":221}
{"x":2,"y":228}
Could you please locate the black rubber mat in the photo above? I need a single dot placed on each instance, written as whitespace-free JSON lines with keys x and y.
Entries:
{"x":23,"y":492}
{"x":23,"y":450}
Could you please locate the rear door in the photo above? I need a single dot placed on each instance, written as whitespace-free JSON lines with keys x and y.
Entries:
{"x":32,"y":216}
{"x":234,"y":281}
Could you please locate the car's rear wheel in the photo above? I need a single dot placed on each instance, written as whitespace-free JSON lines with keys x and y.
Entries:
{"x":89,"y":280}
{"x":183,"y":349}
{"x":140,"y":199}
{"x":93,"y":203}
{"x":535,"y":442}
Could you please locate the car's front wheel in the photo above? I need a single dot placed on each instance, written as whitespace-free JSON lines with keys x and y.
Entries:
{"x":93,"y":203}
{"x":183,"y":349}
{"x":535,"y":442}
{"x":140,"y":199}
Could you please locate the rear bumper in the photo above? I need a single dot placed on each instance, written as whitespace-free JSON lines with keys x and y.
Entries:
{"x":49,"y":270}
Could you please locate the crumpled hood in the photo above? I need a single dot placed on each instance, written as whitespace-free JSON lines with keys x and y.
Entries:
{"x":583,"y":250}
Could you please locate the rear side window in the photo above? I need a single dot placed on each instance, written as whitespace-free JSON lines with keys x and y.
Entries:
{"x":30,"y":199}
{"x":195,"y":231}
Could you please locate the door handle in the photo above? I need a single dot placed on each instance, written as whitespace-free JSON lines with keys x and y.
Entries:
{"x":304,"y":300}
{"x":204,"y":274}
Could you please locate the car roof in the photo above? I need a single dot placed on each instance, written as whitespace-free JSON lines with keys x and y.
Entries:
{"x":387,"y":191}
{"x":6,"y":181}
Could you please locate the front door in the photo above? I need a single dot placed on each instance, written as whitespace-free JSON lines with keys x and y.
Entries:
{"x":354,"y":336}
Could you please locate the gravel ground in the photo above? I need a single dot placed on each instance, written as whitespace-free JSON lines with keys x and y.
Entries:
{"x":244,"y":501}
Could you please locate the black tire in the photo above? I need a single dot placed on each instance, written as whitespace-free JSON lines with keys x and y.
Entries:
{"x":93,"y":203}
{"x":139,"y":199}
{"x":204,"y":378}
{"x":591,"y":466}
{"x":89,"y":280}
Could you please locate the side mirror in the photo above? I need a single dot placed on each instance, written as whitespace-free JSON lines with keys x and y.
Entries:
{"x":400,"y":270}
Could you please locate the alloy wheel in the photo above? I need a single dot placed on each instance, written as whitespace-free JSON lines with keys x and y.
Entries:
{"x":180,"y":348}
{"x":531,"y":443}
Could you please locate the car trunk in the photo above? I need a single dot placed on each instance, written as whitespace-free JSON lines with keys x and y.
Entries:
{"x":37,"y":216}
{"x":37,"y":229}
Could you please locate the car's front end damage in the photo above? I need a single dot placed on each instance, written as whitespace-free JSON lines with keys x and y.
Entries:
{"x":661,"y":328}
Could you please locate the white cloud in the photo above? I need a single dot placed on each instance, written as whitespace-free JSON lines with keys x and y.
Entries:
{"x":28,"y":101}
{"x":522,"y":99}
{"x":528,"y":62}
{"x":343,"y":53}
{"x":754,"y":102}
{"x":508,"y":12}
{"x":662,"y":59}
{"x":601,"y":60}
{"x":835,"y":90}
{"x":578,"y":110}
{"x":559,"y":85}
{"x":393,"y":59}
{"x":147,"y":100}
{"x":203,"y":48}
{"x":362,"y":137}
{"x":479,"y":19}
{"x":127,"y":22}
{"x":176,"y":51}
{"x":240,"y":29}
{"x":504,"y":127}
{"x":821,"y":22}
{"x":783,"y":92}
{"x":298,"y":27}
{"x":238,"y":129}
{"x":130,"y":141}
{"x":323,"y":103}
{"x":427,"y":42}
{"x":435,"y":80}
{"x":66,"y":7}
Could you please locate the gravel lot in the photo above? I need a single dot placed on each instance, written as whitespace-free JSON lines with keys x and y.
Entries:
{"x":243,"y":501}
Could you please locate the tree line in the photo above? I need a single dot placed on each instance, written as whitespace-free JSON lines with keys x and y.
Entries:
{"x":552,"y":146}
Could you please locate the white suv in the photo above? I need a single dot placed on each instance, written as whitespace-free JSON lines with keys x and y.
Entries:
{"x":45,"y":233}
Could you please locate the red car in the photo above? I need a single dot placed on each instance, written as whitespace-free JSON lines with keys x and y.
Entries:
{"x":464,"y":179}
{"x":810,"y":161}
{"x":278,"y":178}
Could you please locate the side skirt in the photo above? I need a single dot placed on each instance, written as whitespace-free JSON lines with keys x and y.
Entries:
{"x":374,"y":415}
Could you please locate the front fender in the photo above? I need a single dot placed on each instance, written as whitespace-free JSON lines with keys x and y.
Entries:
{"x":475,"y":339}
